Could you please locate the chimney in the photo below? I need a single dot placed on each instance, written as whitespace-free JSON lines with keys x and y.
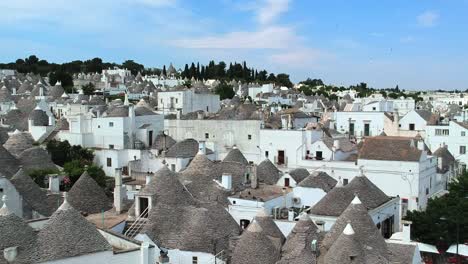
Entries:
{"x":331,"y":125}
{"x":54,"y":183}
{"x":290,"y":123}
{"x":118,"y":191}
{"x":440,"y":164}
{"x":202,"y":147}
{"x":163,"y":257}
{"x":200,"y":115}
{"x":336,"y":144}
{"x":144,"y":253}
{"x":291,"y":215}
{"x":10,"y":254}
{"x":178,"y":114}
{"x":147,"y":178}
{"x":406,"y":232}
{"x":396,"y":119}
{"x":253,"y":177}
{"x":284,"y":122}
{"x":226,"y":181}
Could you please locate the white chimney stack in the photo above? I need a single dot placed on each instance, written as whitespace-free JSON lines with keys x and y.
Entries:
{"x":406,"y":232}
{"x":118,"y":191}
{"x":147,"y":179}
{"x":440,"y":164}
{"x":336,"y":144}
{"x":253,"y":177}
{"x":202,"y":147}
{"x":226,"y":181}
{"x":54,"y":183}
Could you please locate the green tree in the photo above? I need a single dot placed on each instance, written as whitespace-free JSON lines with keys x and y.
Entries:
{"x":75,"y":168}
{"x":88,"y":89}
{"x":438,"y":223}
{"x":64,"y":78}
{"x":133,"y":66}
{"x":39,"y":175}
{"x":282,"y":79}
{"x":62,"y":152}
{"x":225,"y":91}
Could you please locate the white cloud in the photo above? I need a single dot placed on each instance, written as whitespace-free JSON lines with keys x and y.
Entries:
{"x":428,"y":19}
{"x":274,"y":37}
{"x":269,"y":10}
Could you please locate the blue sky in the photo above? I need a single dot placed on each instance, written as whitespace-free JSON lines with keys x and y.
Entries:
{"x":417,"y":44}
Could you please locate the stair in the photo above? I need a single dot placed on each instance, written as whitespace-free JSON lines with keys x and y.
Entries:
{"x":137,"y":225}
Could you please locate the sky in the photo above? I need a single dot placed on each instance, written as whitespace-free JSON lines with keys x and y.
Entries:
{"x":416,"y":44}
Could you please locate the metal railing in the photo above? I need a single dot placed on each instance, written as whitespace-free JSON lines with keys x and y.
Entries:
{"x":135,"y":228}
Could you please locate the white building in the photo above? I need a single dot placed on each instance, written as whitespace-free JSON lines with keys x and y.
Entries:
{"x":415,"y":121}
{"x":454,"y":136}
{"x":220,"y":135}
{"x":187,"y":101}
{"x":361,"y":124}
{"x":254,"y":92}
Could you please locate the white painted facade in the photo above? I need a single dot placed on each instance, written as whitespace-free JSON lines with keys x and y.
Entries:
{"x":187,"y":101}
{"x":453,"y":135}
{"x":364,"y":123}
{"x":412,"y":121}
{"x":255,"y":91}
{"x":220,"y":135}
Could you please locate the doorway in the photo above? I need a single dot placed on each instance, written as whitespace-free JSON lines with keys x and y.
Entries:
{"x":150,"y":138}
{"x":286,"y":182}
{"x":144,"y":203}
{"x":281,"y":157}
{"x":366,"y":130}
{"x":244,"y":223}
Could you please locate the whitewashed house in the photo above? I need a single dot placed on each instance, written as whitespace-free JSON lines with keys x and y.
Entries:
{"x":361,"y":124}
{"x":454,"y":136}
{"x":40,"y":124}
{"x":117,"y":135}
{"x":312,"y":189}
{"x":255,"y":92}
{"x":415,"y":121}
{"x":187,"y":101}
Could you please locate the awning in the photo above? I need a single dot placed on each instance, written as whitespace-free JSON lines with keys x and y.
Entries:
{"x":462,"y":249}
{"x":423,"y":247}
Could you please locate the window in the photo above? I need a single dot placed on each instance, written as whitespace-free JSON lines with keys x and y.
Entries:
{"x":109,"y":162}
{"x":266,"y":154}
{"x":111,"y":146}
{"x":366,"y":130}
{"x":207,"y":136}
{"x":249,"y":137}
{"x":351,"y":129}
{"x":345,"y":181}
{"x":442,"y":132}
{"x":99,"y":126}
{"x":462,"y":149}
{"x":172,"y":167}
{"x":463,"y":133}
{"x":194,"y":260}
{"x":373,"y":108}
{"x":177,"y":100}
{"x":111,"y":124}
{"x":286,"y":182}
{"x":427,"y":191}
{"x":411,"y":126}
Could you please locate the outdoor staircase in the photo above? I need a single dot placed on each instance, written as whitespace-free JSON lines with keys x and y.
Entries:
{"x":137,"y":225}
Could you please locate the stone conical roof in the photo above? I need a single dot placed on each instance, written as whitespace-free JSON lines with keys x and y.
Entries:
{"x":366,"y":233}
{"x":346,"y":249}
{"x":268,"y":225}
{"x":87,"y":196}
{"x":235,"y":155}
{"x":319,"y":179}
{"x":254,"y":246}
{"x":18,"y":142}
{"x":3,"y":135}
{"x":267,"y":172}
{"x":68,"y":234}
{"x":9,"y":164}
{"x":299,"y":240}
{"x":5,"y":95}
{"x":39,"y":117}
{"x":163,"y":142}
{"x":165,"y":188}
{"x":299,"y":174}
{"x":36,"y":158}
{"x":31,"y":193}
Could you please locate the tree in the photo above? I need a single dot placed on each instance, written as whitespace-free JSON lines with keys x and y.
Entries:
{"x":438,"y":223}
{"x":62,"y":152}
{"x":75,"y":168}
{"x":164,"y":72}
{"x":282,"y":79}
{"x":64,"y":78}
{"x":225,"y":91}
{"x":271,"y":78}
{"x":133,"y":66}
{"x":88,"y":89}
{"x":39,"y":175}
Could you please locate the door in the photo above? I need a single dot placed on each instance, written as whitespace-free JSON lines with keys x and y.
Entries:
{"x":143,"y":206}
{"x":150,"y":138}
{"x":351,"y":129}
{"x":366,"y":130}
{"x":286,"y":182}
{"x":318,"y":155}
{"x":280,"y":157}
